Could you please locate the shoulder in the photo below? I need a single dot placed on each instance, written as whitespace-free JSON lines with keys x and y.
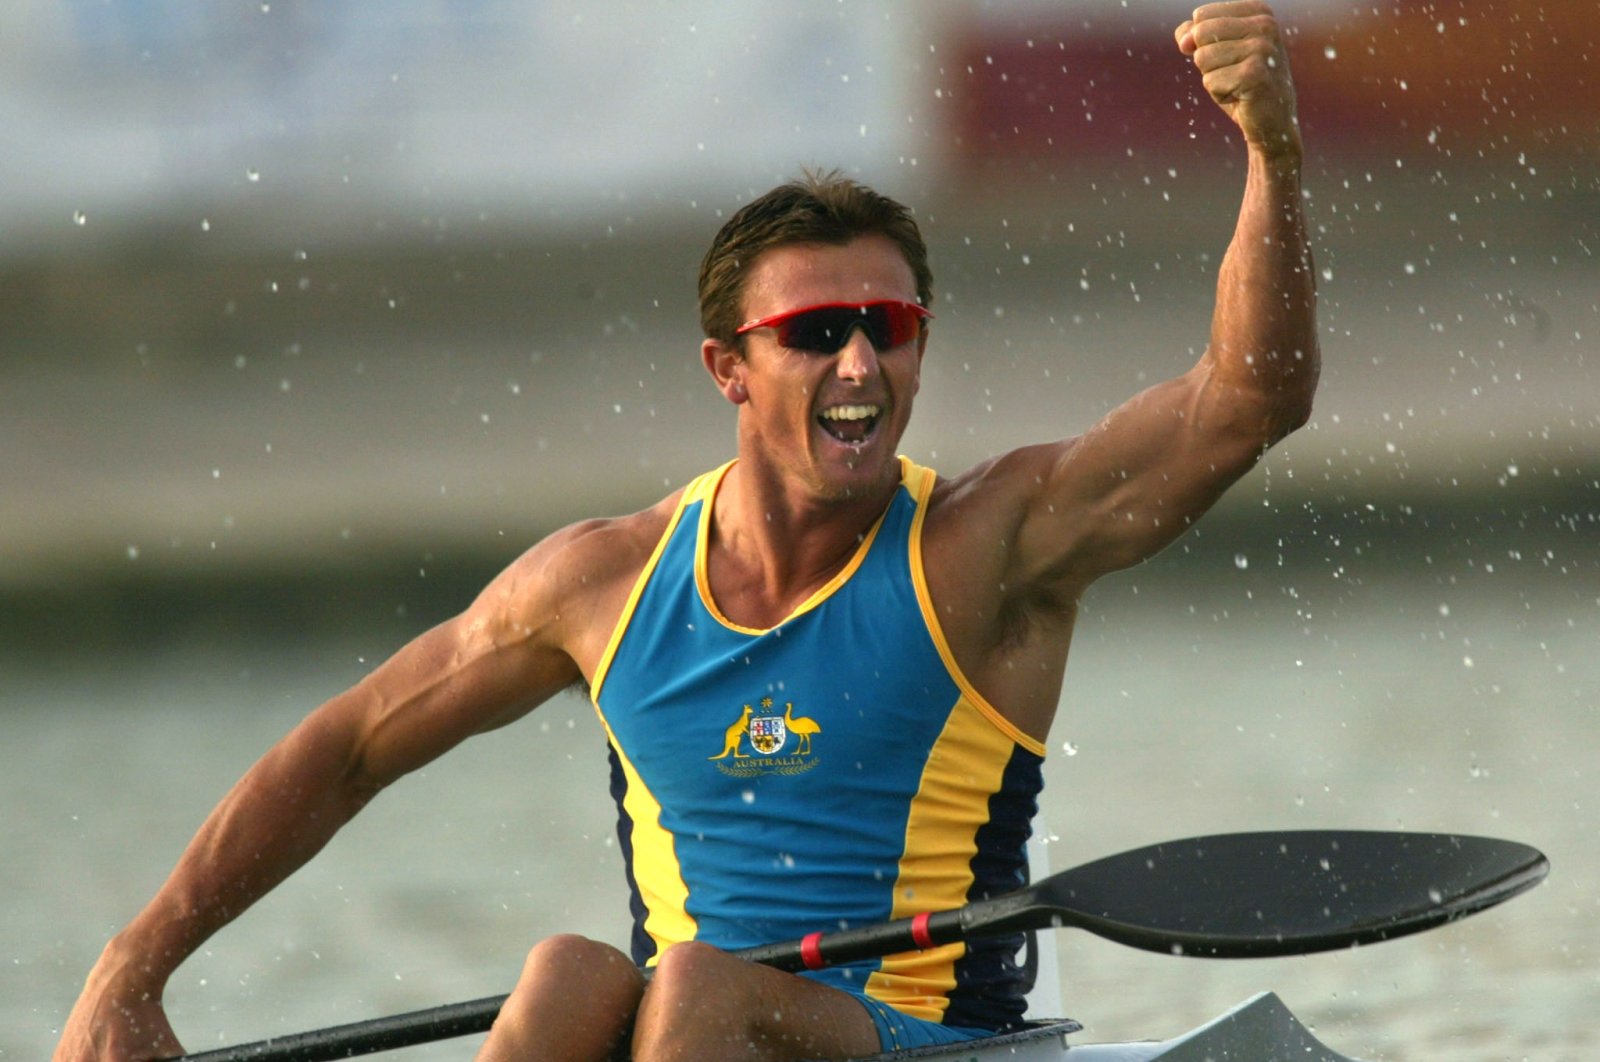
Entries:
{"x":986,"y":524}
{"x":571,"y":585}
{"x":998,"y":491}
{"x":585,"y":557}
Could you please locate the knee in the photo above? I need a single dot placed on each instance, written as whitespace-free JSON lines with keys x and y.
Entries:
{"x":691,"y":977}
{"x":563,"y":949}
{"x":692,"y":963}
{"x":575,"y":998}
{"x":694,"y":997}
{"x":572,"y":959}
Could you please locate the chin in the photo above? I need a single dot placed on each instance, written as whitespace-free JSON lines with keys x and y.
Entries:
{"x":871,"y":476}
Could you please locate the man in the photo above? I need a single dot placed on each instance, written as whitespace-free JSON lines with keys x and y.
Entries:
{"x":825,"y":673}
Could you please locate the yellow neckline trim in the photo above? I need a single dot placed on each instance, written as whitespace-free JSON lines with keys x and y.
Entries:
{"x":702,"y":577}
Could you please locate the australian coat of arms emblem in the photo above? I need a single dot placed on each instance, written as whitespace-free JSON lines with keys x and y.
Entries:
{"x":779,"y":743}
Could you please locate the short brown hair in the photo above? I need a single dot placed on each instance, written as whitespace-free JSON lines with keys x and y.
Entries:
{"x":818,"y":208}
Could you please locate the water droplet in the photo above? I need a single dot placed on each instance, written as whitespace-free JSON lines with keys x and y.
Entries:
{"x":79,"y":218}
{"x":1330,"y":52}
{"x":748,"y":796}
{"x":1240,"y":561}
{"x":1069,"y":748}
{"x":253,"y":176}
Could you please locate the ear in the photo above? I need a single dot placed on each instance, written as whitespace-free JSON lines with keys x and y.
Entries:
{"x":726,"y":365}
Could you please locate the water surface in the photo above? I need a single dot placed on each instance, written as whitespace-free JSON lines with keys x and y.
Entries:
{"x":1252,"y":698}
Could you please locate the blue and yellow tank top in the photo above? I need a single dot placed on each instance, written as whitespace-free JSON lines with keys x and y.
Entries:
{"x":835,"y":770}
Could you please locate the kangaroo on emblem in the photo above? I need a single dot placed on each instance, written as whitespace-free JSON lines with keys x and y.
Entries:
{"x":733,"y":736}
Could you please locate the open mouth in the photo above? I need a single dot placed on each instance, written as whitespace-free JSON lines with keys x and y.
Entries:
{"x":850,"y":424}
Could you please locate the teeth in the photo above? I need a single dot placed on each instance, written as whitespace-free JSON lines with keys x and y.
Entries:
{"x":850,"y":412}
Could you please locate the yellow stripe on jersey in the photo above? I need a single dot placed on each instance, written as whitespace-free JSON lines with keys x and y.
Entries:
{"x":655,"y":860}
{"x":935,"y":871}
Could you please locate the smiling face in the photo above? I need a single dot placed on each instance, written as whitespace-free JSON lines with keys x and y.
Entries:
{"x":827,"y":423}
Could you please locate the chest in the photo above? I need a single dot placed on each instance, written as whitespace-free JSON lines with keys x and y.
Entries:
{"x":838,"y":685}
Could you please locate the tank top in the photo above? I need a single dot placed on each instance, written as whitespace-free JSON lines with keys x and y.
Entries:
{"x":834,"y":770}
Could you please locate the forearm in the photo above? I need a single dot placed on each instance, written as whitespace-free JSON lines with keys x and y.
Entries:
{"x":458,"y":679}
{"x":1263,"y":333}
{"x":280,"y":814}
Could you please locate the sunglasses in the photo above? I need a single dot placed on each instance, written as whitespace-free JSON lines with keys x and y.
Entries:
{"x":826,"y":328}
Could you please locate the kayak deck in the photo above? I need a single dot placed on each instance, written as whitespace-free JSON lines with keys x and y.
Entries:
{"x":1041,"y":1040}
{"x":1258,"y":1030}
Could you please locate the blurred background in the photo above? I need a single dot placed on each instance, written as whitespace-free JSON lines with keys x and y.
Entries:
{"x":313,"y":317}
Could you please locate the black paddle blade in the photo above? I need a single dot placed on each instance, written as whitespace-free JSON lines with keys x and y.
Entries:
{"x":1282,"y":893}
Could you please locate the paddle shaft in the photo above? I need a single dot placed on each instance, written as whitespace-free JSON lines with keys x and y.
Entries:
{"x":365,"y":1037}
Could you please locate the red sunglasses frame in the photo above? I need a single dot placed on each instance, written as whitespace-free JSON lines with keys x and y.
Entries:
{"x":922,"y":313}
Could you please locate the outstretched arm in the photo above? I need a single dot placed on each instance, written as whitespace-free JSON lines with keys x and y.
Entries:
{"x":481,"y":670}
{"x":1133,"y":483}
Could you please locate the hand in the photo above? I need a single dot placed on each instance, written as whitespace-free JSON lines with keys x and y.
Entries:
{"x":116,"y":1025}
{"x":1241,"y":58}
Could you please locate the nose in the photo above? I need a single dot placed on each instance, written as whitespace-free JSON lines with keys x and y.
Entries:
{"x":857,"y":359}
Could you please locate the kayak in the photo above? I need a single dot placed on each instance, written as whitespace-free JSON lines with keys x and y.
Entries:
{"x":1261,"y":1029}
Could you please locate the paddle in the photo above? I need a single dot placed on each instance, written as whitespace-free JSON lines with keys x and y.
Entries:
{"x":1227,"y":896}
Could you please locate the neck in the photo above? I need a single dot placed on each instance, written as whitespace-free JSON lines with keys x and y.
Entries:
{"x":772,"y":546}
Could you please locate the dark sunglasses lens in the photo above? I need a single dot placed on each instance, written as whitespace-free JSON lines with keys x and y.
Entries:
{"x":826,"y":330}
{"x":823,"y":331}
{"x":900,"y":324}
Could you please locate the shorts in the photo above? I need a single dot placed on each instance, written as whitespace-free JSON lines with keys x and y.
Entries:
{"x":897,"y":1031}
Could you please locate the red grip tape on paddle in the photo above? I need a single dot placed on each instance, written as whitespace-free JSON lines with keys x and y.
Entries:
{"x":919,"y":930}
{"x":811,"y":951}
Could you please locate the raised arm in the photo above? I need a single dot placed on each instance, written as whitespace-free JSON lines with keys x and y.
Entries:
{"x":1133,"y":483}
{"x":505,"y":654}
